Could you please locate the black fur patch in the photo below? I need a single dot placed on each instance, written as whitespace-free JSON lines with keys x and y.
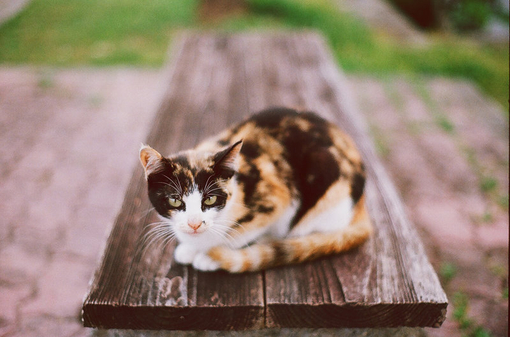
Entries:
{"x":246,"y":218}
{"x":318,"y":172}
{"x":280,"y":253}
{"x":272,"y":117}
{"x":161,"y":187}
{"x":220,"y":169}
{"x":358,"y":185}
{"x":206,"y":181}
{"x":249,"y":181}
{"x":250,"y":150}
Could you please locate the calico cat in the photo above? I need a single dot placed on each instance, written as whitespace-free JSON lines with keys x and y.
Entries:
{"x":281,"y":187}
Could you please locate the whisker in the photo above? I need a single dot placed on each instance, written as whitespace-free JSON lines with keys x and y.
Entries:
{"x":162,"y":238}
{"x":144,"y":214}
{"x":228,"y":232}
{"x":231,"y":222}
{"x":158,"y":231}
{"x":152,"y":238}
{"x":172,"y":183}
{"x":206,"y":188}
{"x":224,"y":237}
{"x":168,"y":239}
{"x":209,"y":186}
{"x":156,"y":223}
{"x":180,"y":187}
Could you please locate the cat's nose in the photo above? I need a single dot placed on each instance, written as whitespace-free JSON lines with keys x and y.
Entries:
{"x":195,"y":224}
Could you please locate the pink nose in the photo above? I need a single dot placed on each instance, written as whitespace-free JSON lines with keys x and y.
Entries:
{"x":195,"y":225}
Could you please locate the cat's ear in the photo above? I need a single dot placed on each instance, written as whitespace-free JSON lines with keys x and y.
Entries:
{"x":225,"y":161}
{"x":151,"y":160}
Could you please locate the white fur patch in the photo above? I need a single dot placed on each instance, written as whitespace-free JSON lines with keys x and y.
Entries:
{"x":247,"y":237}
{"x":185,"y":254}
{"x":203,"y":262}
{"x":280,"y":228}
{"x":237,"y":261}
{"x":333,"y":219}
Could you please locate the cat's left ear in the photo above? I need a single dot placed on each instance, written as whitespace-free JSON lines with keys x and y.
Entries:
{"x":225,"y":161}
{"x":151,"y":160}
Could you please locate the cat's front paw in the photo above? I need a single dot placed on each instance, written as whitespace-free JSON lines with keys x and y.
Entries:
{"x":204,"y":262}
{"x":185,"y":254}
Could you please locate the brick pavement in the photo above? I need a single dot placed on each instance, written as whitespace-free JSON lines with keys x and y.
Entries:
{"x":70,"y":140}
{"x":440,"y":140}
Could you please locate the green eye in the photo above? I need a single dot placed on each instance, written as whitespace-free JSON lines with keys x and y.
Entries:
{"x":175,"y":202}
{"x":210,"y":200}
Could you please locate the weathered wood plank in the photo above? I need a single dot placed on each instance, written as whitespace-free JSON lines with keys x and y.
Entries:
{"x":386,"y":282}
{"x":142,"y":288}
{"x":216,"y":80}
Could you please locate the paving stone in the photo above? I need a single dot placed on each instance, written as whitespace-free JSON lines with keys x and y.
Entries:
{"x":477,"y":282}
{"x":19,"y":265}
{"x":60,"y":289}
{"x":497,"y":318}
{"x":407,"y":164}
{"x":372,"y":98}
{"x":108,"y":191}
{"x":444,"y":222}
{"x":439,"y":185}
{"x":471,"y":105}
{"x":479,"y":124}
{"x":450,"y":328}
{"x":60,"y":135}
{"x":39,"y":240}
{"x":494,"y":235}
{"x":87,"y":233}
{"x":41,"y":325}
{"x":10,"y":297}
{"x":409,"y":104}
{"x":489,"y":315}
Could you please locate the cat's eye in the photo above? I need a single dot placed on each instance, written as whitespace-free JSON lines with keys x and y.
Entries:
{"x":209,"y":201}
{"x":174,"y":202}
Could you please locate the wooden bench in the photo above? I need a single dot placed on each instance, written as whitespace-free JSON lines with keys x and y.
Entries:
{"x":216,"y":80}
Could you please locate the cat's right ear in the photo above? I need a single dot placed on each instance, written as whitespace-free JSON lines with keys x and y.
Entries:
{"x":151,"y":160}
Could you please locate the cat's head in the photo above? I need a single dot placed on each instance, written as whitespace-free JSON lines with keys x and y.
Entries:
{"x":192,"y":189}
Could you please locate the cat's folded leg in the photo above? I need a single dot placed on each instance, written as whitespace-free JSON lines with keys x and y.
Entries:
{"x":185,"y":253}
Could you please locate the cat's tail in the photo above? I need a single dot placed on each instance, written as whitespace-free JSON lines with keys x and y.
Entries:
{"x":294,"y":250}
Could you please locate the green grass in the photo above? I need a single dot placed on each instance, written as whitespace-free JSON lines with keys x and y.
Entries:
{"x":133,"y":32}
{"x":360,"y":50}
{"x":467,"y":325}
{"x":447,"y":271}
{"x":93,"y":32}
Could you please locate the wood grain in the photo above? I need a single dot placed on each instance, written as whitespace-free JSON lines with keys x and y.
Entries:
{"x":390,"y":272}
{"x":216,"y":80}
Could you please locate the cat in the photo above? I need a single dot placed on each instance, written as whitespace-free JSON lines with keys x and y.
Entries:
{"x":282,"y":187}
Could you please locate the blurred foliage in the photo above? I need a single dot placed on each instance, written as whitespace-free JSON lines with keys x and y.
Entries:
{"x":447,"y":271}
{"x":422,"y":12}
{"x":97,"y":32}
{"x":360,"y":50}
{"x":467,"y":324}
{"x":470,"y":15}
{"x":109,"y":32}
{"x":461,"y":15}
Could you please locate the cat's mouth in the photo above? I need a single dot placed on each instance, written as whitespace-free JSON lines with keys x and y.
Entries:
{"x":195,"y":232}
